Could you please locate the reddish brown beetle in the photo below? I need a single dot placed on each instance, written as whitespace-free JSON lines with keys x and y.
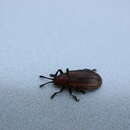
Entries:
{"x":79,"y":80}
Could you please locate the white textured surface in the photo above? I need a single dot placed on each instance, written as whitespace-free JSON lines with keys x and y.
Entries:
{"x":38,"y":37}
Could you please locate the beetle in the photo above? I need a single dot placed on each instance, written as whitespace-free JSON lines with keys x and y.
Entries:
{"x":78,"y":80}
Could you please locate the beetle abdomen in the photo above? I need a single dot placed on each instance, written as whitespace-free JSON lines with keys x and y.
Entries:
{"x":89,"y":85}
{"x":84,"y":80}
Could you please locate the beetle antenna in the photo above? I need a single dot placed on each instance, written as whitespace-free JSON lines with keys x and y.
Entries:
{"x":45,"y":84}
{"x":41,"y":76}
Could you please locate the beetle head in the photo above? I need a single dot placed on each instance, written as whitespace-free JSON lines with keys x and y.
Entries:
{"x":61,"y":80}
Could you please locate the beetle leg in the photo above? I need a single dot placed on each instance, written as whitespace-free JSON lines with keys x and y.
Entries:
{"x":82,"y":91}
{"x":59,"y":70}
{"x":85,"y":69}
{"x":54,"y":75}
{"x":53,"y":95}
{"x":94,"y":70}
{"x":75,"y":98}
{"x":67,"y":72}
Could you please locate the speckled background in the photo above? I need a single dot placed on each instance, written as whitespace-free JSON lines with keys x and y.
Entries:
{"x":41,"y":36}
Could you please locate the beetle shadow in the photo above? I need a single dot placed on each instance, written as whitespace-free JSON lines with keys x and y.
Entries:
{"x":77,"y":92}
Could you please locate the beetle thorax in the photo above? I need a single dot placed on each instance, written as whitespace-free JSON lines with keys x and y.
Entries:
{"x":61,"y":80}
